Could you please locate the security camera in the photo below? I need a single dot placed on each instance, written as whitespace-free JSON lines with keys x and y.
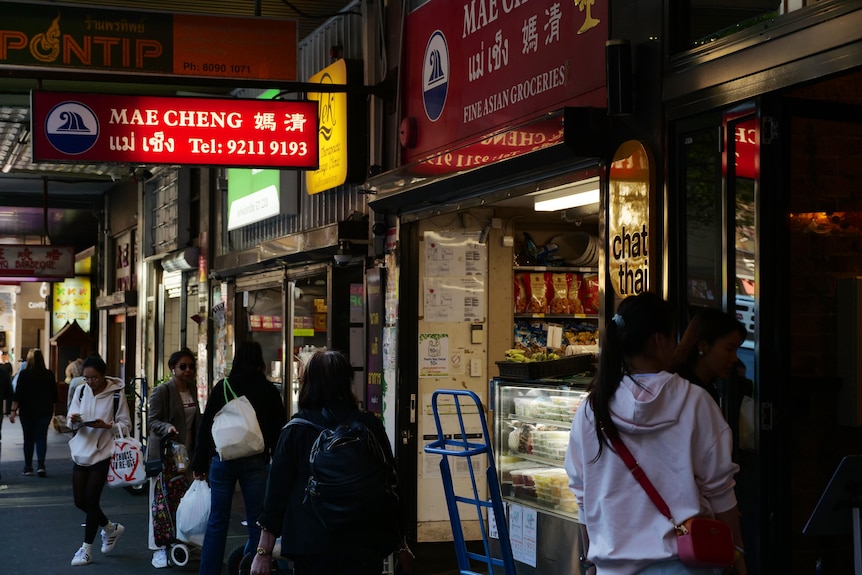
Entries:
{"x":342,"y":260}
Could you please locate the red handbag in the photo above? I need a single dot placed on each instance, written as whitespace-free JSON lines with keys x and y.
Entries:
{"x":702,"y":541}
{"x":705,"y":542}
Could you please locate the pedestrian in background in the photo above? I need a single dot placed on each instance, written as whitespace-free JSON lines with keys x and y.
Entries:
{"x":247,"y":377}
{"x":675,"y":432}
{"x":707,"y":351}
{"x":34,"y":401}
{"x":73,"y":378}
{"x":6,"y":395}
{"x":5,"y":362}
{"x":173,"y":414}
{"x":99,"y":412}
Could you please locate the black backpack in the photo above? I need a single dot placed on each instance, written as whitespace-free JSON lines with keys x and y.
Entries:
{"x":352,"y":488}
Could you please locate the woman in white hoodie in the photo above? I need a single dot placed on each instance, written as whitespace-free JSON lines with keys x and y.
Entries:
{"x":675,"y":432}
{"x":98,"y":413}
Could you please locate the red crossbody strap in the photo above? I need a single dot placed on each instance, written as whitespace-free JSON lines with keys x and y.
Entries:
{"x":641,"y":477}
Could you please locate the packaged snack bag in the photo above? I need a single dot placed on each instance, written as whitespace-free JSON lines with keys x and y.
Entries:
{"x":520,"y":294}
{"x":573,"y":288}
{"x":590,"y":293}
{"x":537,"y":292}
{"x":559,"y":294}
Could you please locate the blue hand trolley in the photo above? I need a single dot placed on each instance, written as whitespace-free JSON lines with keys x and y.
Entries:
{"x":460,"y":446}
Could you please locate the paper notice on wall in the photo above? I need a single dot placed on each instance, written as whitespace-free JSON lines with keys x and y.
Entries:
{"x":433,"y":354}
{"x":454,"y":299}
{"x":454,"y":254}
{"x":522,"y":533}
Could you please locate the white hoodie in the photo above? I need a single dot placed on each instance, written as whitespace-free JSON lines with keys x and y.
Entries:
{"x":679,"y":438}
{"x":92,"y":445}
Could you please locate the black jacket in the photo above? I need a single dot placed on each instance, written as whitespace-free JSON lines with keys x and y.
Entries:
{"x":5,"y":392}
{"x":268,"y":407}
{"x":36,"y":393}
{"x":284,"y":513}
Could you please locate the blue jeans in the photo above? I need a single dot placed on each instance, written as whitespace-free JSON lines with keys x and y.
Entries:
{"x":223,"y":476}
{"x":35,"y":429}
{"x":675,"y":567}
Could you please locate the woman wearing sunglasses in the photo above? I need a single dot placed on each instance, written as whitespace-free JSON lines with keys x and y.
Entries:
{"x":173,"y":415}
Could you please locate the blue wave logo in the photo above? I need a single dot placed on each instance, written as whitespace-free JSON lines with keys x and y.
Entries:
{"x":435,"y":76}
{"x":72,"y":128}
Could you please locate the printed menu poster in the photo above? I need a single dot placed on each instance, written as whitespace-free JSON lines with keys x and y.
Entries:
{"x":454,"y":254}
{"x":454,"y":299}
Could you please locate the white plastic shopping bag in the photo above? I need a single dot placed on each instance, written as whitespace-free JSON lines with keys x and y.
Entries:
{"x":193,"y":513}
{"x":127,"y":462}
{"x":235,"y":430}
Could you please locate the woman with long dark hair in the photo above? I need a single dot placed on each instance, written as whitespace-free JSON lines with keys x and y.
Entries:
{"x":98,"y":412}
{"x":326,"y":399}
{"x":34,"y":401}
{"x":675,"y":432}
{"x":247,"y":377}
{"x":707,"y":350}
{"x":173,"y":414}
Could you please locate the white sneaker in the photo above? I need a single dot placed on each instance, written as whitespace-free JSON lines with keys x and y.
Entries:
{"x":82,"y":557}
{"x":110,"y":539}
{"x":160,"y":558}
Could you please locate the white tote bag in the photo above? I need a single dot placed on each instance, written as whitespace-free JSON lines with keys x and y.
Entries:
{"x":236,"y":432}
{"x":193,"y":512}
{"x":127,"y":462}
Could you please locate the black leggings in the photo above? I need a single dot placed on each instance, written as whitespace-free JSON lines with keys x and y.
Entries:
{"x":87,"y":484}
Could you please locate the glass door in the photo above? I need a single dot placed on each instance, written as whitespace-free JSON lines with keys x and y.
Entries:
{"x":716,"y":228}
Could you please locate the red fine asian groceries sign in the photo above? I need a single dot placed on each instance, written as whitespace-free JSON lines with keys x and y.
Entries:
{"x":473,"y":66}
{"x":37,"y":262}
{"x":71,"y":127}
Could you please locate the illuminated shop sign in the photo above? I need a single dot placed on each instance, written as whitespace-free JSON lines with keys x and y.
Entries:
{"x":254,"y":195}
{"x":472,"y":67}
{"x":332,"y":109}
{"x":36,"y":262}
{"x":628,"y":219}
{"x":53,"y":36}
{"x":342,"y":133}
{"x":151,"y":130}
{"x":71,"y":302}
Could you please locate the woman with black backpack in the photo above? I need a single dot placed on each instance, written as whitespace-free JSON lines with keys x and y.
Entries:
{"x":321,"y":531}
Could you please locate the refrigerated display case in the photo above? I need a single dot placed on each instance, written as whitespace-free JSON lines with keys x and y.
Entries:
{"x":531,"y":421}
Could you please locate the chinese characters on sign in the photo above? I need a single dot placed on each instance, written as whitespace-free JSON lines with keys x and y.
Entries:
{"x":475,"y":66}
{"x":26,"y":262}
{"x":190,"y":131}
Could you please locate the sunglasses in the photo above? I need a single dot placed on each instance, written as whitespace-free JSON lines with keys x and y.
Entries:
{"x":185,"y":366}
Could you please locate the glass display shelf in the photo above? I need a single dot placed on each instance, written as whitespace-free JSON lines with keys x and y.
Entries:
{"x":532,"y":422}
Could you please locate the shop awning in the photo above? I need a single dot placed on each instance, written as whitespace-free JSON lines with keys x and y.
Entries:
{"x":504,"y":164}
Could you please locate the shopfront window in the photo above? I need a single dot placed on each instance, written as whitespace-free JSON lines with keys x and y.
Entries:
{"x":702,"y":217}
{"x":720,"y":166}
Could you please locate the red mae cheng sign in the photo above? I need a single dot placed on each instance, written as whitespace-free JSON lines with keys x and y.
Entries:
{"x":74,"y":127}
{"x":474,"y":66}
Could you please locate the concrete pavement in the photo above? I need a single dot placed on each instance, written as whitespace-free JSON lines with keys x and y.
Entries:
{"x":40,"y":527}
